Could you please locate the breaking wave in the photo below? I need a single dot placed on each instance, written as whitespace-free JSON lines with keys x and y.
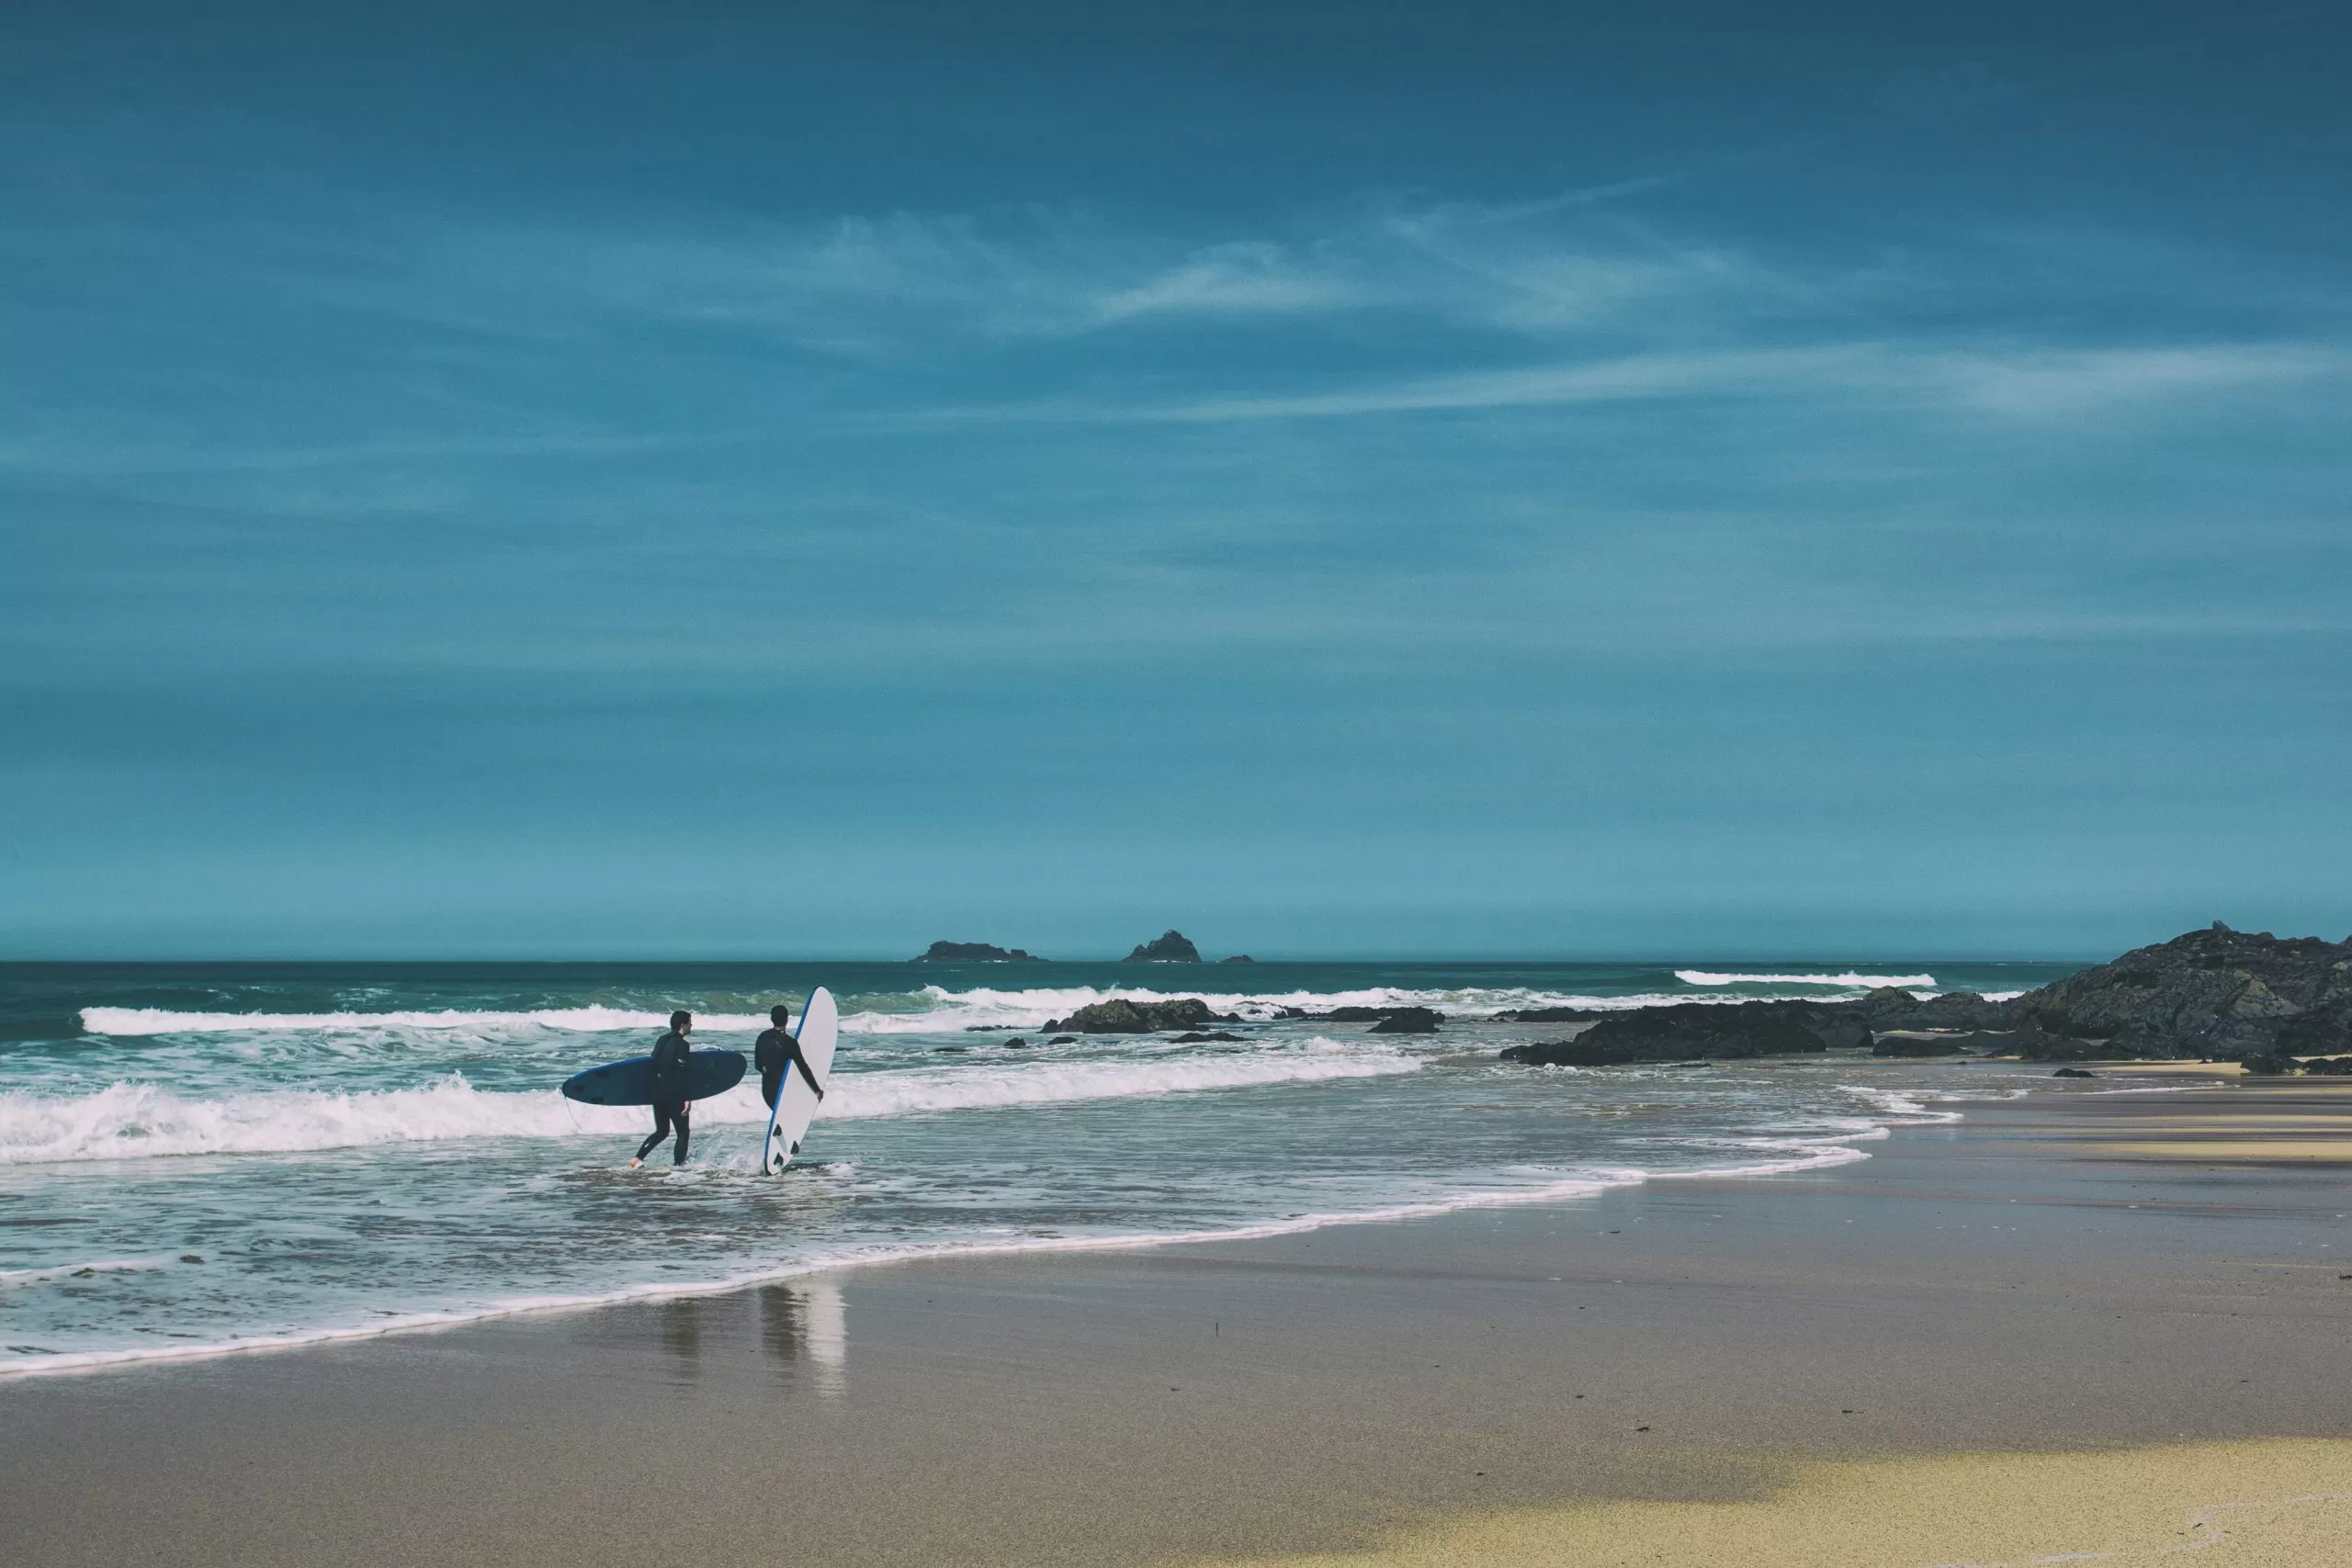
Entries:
{"x":581,"y":1020}
{"x":1848,"y":981}
{"x":134,"y":1120}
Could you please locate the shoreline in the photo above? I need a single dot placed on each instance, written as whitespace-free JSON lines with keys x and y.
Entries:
{"x":1833,"y":1150}
{"x":2007,"y":1284}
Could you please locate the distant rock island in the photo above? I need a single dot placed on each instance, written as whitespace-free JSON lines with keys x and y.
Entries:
{"x":978,"y":952}
{"x":2216,"y":994}
{"x":1174,"y":947}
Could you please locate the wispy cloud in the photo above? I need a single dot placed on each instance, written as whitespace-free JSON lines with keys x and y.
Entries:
{"x":1245,"y":278}
{"x":2019,"y":382}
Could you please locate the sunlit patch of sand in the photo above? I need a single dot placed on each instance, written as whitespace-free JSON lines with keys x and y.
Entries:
{"x":2248,"y":1505}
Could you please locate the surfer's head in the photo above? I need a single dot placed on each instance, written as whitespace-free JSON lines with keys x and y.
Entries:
{"x":682,"y":1021}
{"x":779,"y":1016}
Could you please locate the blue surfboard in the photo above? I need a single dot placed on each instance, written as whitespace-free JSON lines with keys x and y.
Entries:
{"x":631,"y":1082}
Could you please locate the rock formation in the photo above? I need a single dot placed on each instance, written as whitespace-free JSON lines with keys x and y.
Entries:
{"x":1120,"y":1015}
{"x":1695,"y":1029}
{"x":2214,"y":993}
{"x":976,"y":952}
{"x":1172,"y":948}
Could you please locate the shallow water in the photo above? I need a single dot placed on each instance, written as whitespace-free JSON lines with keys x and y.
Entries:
{"x":197,"y":1158}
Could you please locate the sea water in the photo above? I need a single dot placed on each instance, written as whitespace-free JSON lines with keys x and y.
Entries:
{"x":196,"y":1159}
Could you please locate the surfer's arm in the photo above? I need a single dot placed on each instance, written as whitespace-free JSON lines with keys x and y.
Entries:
{"x":815,"y":1088}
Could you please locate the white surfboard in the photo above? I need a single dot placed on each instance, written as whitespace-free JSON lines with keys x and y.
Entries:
{"x":795,"y":1102}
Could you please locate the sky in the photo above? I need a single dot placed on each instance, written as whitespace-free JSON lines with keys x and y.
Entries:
{"x":728,"y":480}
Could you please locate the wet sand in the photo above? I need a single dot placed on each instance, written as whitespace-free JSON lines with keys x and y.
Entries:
{"x":2045,"y":1326}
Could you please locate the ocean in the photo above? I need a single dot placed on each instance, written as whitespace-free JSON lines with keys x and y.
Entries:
{"x":197,"y":1159}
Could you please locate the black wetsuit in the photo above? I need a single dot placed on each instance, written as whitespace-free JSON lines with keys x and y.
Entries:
{"x":668,"y":1095}
{"x":776,"y":1052}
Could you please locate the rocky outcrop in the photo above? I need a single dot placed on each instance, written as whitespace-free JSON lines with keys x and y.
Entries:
{"x":1890,"y":1006}
{"x":1173,"y":947}
{"x":1120,"y":1015}
{"x":1237,"y":958}
{"x":1383,"y":1020}
{"x":1213,"y":1034}
{"x":2214,"y":993}
{"x":976,"y":952}
{"x":1688,"y":1029}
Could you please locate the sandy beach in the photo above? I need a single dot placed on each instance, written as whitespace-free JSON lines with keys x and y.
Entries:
{"x":2088,"y":1322}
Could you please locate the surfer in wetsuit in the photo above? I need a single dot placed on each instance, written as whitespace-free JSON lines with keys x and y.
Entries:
{"x":778,"y":1049}
{"x":670,"y":1070}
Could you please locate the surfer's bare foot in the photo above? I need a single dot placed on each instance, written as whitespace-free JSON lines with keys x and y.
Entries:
{"x":635,"y":1163}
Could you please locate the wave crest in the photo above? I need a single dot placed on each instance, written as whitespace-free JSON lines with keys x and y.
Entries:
{"x":138,"y":1121}
{"x":1848,"y":981}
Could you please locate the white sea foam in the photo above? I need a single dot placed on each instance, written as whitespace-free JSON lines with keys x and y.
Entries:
{"x":584,"y":1019}
{"x":937,"y":1010}
{"x":1905,"y":1107}
{"x":1044,"y":1083}
{"x":1850,"y":980}
{"x":952,"y":1010}
{"x":1799,"y":1156}
{"x":13,"y":1277}
{"x":133,"y":1121}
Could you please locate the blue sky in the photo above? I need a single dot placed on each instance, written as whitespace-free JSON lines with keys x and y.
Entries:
{"x":729,"y":481}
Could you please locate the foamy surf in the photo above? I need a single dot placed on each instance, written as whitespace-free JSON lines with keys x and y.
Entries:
{"x":141,"y":1120}
{"x":1847,"y":981}
{"x":366,"y":1148}
{"x":935,"y":1009}
{"x":1794,"y":1156}
{"x":135,"y":1022}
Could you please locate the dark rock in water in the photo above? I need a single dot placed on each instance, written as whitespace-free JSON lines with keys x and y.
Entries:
{"x":2330,"y":1066}
{"x":950,"y":1050}
{"x":1120,"y":1015}
{"x":1417,"y":1020}
{"x":1915,"y":1046}
{"x":2073,"y":1073}
{"x":1690,"y":1029}
{"x":1062,"y":1039}
{"x":2216,"y":993}
{"x":976,"y":952}
{"x":1016,"y":1043}
{"x":1171,"y":948}
{"x":1203,"y":1039}
{"x":2211,"y":993}
{"x":989,"y":1028}
{"x":2267,"y":1064}
{"x":1237,"y":958}
{"x":1953,"y":1042}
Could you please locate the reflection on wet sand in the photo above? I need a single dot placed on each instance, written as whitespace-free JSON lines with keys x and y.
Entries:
{"x":808,"y":1322}
{"x":681,"y":1324}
